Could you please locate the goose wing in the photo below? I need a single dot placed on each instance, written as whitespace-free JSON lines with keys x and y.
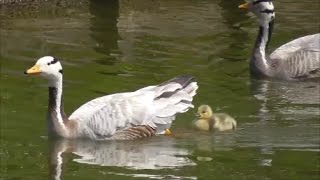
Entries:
{"x":103,"y":116}
{"x":300,"y":57}
{"x":306,"y":43}
{"x":152,"y":106}
{"x":304,"y":63}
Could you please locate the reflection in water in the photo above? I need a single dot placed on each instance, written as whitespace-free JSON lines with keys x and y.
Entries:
{"x":152,"y":176}
{"x":293,"y":105}
{"x":153,"y":153}
{"x":239,"y":36}
{"x":158,"y":31}
{"x":287,"y":98}
{"x":104,"y":27}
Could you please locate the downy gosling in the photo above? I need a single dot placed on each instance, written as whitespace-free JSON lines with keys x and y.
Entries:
{"x":209,"y":121}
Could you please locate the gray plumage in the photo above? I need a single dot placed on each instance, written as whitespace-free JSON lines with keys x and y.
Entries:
{"x":298,"y":59}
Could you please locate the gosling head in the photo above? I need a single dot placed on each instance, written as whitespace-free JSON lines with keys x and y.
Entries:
{"x":48,"y":67}
{"x":263,"y":9}
{"x":204,"y":112}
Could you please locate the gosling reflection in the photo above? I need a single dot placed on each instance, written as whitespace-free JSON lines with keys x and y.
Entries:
{"x":155,"y":153}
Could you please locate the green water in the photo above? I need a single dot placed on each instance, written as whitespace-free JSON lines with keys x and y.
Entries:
{"x":116,"y":46}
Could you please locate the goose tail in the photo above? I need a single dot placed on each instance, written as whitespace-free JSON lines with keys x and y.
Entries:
{"x":173,"y":97}
{"x":234,"y":124}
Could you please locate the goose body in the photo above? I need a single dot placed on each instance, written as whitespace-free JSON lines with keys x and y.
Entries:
{"x":131,"y":115}
{"x":297,"y":60}
{"x":208,"y":121}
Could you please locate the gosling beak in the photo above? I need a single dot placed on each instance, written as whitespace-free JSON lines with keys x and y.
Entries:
{"x":197,"y":115}
{"x":167,"y":132}
{"x":35,"y":70}
{"x":244,"y":6}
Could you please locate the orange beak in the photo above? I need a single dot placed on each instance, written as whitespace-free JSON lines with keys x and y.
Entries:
{"x":35,"y":70}
{"x":244,"y":6}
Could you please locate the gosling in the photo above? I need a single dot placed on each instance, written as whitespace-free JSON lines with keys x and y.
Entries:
{"x":209,"y":121}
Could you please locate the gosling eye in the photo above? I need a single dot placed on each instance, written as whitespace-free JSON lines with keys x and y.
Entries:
{"x":203,"y":112}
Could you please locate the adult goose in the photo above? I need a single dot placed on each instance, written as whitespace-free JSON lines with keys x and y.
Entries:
{"x":296,"y":60}
{"x":122,"y":116}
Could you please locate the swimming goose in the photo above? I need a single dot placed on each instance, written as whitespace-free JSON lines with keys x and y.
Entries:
{"x":296,"y":60}
{"x":122,"y":116}
{"x":208,"y":121}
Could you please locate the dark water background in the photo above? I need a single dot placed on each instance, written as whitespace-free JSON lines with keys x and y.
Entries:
{"x":116,"y":46}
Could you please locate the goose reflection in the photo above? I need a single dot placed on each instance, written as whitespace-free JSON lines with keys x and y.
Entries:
{"x":155,"y":153}
{"x":299,"y":98}
{"x":287,"y":116}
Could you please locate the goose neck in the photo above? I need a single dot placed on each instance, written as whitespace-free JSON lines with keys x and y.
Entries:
{"x":56,"y":115}
{"x":259,"y":61}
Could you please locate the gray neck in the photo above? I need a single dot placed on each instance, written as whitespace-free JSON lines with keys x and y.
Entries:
{"x":56,"y":115}
{"x":259,"y":65}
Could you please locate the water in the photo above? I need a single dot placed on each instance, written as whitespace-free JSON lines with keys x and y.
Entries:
{"x":117,"y":46}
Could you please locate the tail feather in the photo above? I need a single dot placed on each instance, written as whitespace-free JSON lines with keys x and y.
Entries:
{"x":163,"y":91}
{"x":183,"y":80}
{"x":191,"y":89}
{"x":174,"y":96}
{"x":173,"y":109}
{"x":234,"y":124}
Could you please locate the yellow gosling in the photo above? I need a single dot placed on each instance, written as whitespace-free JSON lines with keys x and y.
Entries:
{"x":208,"y":121}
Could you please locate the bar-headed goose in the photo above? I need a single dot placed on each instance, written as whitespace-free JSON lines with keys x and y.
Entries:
{"x":296,"y":60}
{"x":131,"y":115}
{"x":208,"y":121}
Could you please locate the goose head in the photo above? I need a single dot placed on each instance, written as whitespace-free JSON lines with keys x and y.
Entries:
{"x":263,"y":9}
{"x":48,"y":67}
{"x":204,"y":112}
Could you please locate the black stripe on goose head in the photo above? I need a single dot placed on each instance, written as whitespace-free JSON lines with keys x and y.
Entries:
{"x":268,"y":11}
{"x":55,"y":60}
{"x":259,"y":1}
{"x":61,"y":71}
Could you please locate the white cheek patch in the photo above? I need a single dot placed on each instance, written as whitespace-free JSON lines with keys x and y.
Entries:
{"x":272,"y":16}
{"x":266,"y":5}
{"x":266,"y":11}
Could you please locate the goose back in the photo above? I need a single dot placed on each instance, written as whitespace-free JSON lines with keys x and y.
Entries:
{"x":298,"y":59}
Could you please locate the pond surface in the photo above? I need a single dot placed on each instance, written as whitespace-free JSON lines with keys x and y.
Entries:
{"x":117,"y":46}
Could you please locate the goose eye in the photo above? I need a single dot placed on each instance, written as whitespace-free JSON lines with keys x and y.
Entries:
{"x":48,"y":64}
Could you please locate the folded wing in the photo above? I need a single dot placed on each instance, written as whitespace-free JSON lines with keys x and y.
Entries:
{"x":307,"y":43}
{"x":152,"y":106}
{"x":300,"y":57}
